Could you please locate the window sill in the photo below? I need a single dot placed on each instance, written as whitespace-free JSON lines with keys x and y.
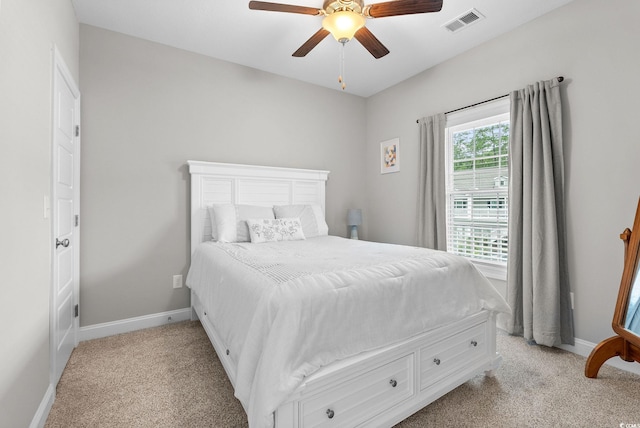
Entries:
{"x":491,"y":270}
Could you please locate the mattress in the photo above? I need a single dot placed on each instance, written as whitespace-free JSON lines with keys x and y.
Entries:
{"x":285,"y":309}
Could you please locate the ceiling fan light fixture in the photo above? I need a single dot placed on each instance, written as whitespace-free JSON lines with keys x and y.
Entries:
{"x":343,"y":24}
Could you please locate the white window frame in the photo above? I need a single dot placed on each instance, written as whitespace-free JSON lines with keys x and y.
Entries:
{"x":484,"y":114}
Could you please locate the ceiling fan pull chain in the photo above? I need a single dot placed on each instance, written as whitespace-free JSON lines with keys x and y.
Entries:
{"x":341,"y":78}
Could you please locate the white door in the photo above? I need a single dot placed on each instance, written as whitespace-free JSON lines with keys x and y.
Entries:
{"x":64,"y":211}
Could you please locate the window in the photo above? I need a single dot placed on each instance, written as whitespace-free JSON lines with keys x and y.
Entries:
{"x":477,"y":143}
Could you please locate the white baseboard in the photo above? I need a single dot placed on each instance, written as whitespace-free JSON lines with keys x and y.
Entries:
{"x":44,"y":408}
{"x":97,"y":331}
{"x":584,"y":348}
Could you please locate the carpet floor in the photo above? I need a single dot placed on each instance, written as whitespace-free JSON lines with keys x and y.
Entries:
{"x":170,"y":376}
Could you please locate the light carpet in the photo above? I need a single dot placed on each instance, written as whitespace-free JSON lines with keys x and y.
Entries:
{"x":170,"y":376}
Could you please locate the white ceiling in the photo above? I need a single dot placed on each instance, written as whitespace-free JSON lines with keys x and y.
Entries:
{"x":228,"y":30}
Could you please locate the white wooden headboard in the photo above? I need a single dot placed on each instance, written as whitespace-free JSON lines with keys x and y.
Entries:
{"x":226,"y":183}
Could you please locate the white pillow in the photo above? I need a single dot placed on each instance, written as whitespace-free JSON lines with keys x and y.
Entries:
{"x":311,"y":218}
{"x":231,"y":224}
{"x":214,"y":228}
{"x":272,"y":230}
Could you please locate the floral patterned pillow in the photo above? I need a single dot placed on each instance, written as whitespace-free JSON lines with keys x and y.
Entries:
{"x":271,"y":230}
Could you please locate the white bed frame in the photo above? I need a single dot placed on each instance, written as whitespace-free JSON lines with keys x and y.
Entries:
{"x":375,"y":389}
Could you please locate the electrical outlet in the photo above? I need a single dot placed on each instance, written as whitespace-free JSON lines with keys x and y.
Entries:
{"x":177,"y":281}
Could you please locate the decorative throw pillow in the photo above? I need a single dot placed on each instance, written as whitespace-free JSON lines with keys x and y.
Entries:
{"x":231,"y":220}
{"x":311,"y":218}
{"x":271,"y":230}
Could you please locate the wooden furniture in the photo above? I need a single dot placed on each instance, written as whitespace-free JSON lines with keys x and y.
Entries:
{"x":378,"y":388}
{"x":626,"y":343}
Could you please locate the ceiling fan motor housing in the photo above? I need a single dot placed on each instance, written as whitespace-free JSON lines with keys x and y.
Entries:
{"x":331,"y":6}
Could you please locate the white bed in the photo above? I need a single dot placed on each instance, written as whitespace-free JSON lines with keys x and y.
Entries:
{"x":333,"y":369}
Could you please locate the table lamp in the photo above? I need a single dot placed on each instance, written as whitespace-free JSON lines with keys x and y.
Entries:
{"x":354,"y":219}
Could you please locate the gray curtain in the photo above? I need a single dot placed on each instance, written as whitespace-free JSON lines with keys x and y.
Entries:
{"x":537,"y":277}
{"x":432,"y":224}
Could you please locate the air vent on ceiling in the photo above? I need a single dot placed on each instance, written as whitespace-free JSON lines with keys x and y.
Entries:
{"x":470,"y":17}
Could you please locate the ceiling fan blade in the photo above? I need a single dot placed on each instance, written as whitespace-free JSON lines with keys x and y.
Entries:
{"x":371,"y":43}
{"x":403,"y":7}
{"x":311,"y":43}
{"x":279,"y":7}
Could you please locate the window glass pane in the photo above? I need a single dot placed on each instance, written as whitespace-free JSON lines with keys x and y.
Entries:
{"x":485,"y":142}
{"x":463,"y":145}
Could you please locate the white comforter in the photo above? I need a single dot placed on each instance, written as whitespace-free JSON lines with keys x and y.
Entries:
{"x":285,"y":309}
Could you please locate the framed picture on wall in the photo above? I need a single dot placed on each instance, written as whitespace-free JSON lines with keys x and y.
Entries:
{"x":390,"y":156}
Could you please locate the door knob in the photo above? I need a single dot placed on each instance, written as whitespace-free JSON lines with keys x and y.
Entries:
{"x":64,"y":243}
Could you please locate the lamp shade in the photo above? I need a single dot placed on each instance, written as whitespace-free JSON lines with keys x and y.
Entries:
{"x":354,"y":217}
{"x":343,"y":24}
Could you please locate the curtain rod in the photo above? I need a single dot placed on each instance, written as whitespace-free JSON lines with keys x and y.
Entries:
{"x":560,"y":79}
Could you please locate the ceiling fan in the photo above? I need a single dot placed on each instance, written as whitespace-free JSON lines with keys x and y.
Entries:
{"x":345,"y":19}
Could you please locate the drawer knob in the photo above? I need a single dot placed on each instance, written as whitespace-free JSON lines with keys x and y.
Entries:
{"x":437,"y":361}
{"x":330,"y":413}
{"x":474,"y":343}
{"x":393,"y":383}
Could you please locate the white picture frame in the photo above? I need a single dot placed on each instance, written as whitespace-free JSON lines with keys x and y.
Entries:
{"x":390,"y":156}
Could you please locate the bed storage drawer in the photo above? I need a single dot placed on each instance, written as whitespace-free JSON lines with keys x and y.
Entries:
{"x":444,"y":358}
{"x":357,"y":400}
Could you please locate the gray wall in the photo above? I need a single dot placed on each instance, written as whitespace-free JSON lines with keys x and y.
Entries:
{"x":28,"y":31}
{"x":594,"y":44}
{"x":147,"y":109}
